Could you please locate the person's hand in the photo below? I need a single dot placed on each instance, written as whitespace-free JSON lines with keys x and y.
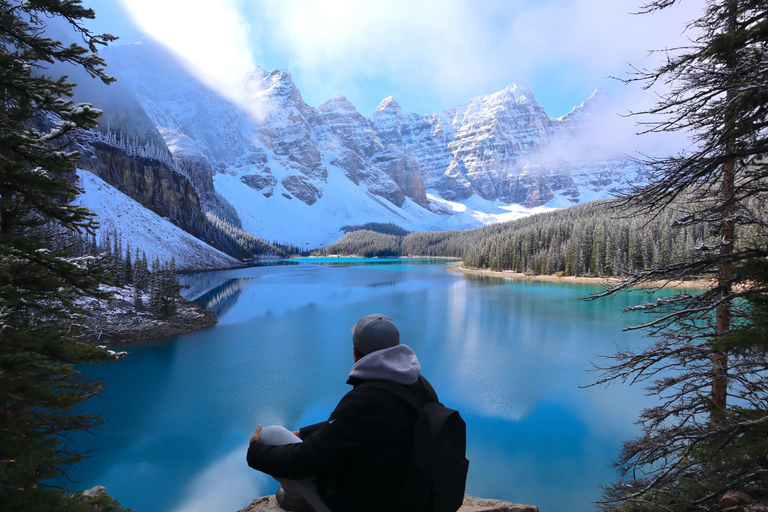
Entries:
{"x":255,"y":436}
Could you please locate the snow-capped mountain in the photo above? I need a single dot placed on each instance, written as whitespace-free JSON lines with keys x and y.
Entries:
{"x":296,"y":174}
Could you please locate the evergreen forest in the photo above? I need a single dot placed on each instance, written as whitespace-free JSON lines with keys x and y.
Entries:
{"x":153,"y":285}
{"x":592,"y":239}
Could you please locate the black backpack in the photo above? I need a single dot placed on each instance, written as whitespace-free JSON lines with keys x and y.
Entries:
{"x":437,"y":473}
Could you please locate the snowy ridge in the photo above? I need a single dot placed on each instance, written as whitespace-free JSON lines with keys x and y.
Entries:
{"x":344,"y":203}
{"x":142,"y":228}
{"x":132,"y":146}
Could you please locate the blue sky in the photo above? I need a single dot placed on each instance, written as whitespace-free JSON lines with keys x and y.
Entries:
{"x":428,"y":54}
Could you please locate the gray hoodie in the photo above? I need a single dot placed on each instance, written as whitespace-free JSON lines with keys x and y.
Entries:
{"x":397,"y":364}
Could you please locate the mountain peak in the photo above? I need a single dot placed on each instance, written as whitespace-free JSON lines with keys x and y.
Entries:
{"x":599,"y":93}
{"x":257,"y":73}
{"x":519,"y":92}
{"x":337,"y":104}
{"x":389,"y":103}
{"x":598,"y":99}
{"x":284,"y":75}
{"x":277,"y":82}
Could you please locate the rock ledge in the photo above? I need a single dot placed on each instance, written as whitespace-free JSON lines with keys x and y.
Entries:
{"x":471,"y":504}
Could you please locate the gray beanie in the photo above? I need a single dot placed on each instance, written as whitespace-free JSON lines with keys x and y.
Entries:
{"x":374,"y":332}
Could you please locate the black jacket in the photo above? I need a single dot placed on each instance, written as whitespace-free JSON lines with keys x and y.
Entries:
{"x":359,"y":456}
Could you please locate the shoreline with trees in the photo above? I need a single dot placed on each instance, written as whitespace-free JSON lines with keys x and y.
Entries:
{"x":115,"y":322}
{"x":698,"y":284}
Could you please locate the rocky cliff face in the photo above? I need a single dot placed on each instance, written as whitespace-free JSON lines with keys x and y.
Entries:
{"x":150,"y":182}
{"x":501,"y":147}
{"x":365,"y":160}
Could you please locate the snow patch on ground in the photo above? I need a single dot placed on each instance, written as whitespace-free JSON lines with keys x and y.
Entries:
{"x":142,"y":228}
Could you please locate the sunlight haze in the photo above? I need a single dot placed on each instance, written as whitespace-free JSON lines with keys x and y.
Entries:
{"x":429,"y":55}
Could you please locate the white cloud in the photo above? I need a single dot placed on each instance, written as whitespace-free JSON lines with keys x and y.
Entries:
{"x":444,"y":51}
{"x":467,"y":47}
{"x":212,"y":37}
{"x":418,"y":38}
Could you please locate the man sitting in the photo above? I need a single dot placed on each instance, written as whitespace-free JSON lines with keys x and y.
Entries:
{"x":357,"y":459}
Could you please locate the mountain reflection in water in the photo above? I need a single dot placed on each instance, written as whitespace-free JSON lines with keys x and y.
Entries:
{"x":222,"y":298}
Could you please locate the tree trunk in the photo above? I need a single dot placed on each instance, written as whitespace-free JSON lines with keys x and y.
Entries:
{"x":723,"y":314}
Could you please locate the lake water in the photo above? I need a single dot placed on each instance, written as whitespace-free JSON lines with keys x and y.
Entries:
{"x":509,"y":355}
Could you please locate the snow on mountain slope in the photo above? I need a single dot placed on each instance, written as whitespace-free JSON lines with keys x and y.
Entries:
{"x":283,"y":218}
{"x":296,"y":174}
{"x":144,"y":229}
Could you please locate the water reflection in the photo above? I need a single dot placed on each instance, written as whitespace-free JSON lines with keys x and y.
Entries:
{"x":353,"y":262}
{"x":222,"y":298}
{"x":368,"y":262}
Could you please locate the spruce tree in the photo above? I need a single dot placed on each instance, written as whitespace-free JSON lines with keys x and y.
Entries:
{"x":128,"y":267}
{"x":143,"y":279}
{"x":709,"y":434}
{"x":39,"y":387}
{"x":138,"y":299}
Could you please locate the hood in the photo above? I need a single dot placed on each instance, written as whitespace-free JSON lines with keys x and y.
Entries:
{"x":397,"y":364}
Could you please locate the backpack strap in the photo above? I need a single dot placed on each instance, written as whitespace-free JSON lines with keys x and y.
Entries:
{"x":408,"y":394}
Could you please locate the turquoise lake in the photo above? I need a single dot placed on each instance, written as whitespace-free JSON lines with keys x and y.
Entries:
{"x":511,"y":356}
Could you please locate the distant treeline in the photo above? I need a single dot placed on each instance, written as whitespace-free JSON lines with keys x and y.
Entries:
{"x":589,"y":239}
{"x":233,"y":240}
{"x":386,"y":228}
{"x":368,"y":244}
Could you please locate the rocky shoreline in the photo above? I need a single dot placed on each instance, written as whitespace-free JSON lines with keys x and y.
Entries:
{"x":116,"y":322}
{"x":601,"y":281}
{"x":471,"y":504}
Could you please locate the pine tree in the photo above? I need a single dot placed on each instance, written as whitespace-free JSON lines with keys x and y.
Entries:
{"x":143,"y":278}
{"x":710,"y":433}
{"x":128,"y":267}
{"x":155,"y":290}
{"x":39,"y":386}
{"x":608,"y":266}
{"x":138,"y":299}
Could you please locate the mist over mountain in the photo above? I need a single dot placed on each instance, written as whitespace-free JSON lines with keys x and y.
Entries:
{"x":265,"y":161}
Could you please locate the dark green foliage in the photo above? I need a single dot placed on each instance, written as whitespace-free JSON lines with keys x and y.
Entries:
{"x":585,"y":239}
{"x":141,"y":272}
{"x":708,"y":434}
{"x":163,"y":289}
{"x":388,"y":228}
{"x":100,"y":503}
{"x":232,"y":240}
{"x":39,"y":286}
{"x":368,"y":244}
{"x":749,"y":335}
{"x":288,"y":250}
{"x":161,"y":282}
{"x":436,"y":243}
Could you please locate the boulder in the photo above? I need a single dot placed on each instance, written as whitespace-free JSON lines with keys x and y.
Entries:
{"x":471,"y":504}
{"x":734,"y":498}
{"x":99,"y":490}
